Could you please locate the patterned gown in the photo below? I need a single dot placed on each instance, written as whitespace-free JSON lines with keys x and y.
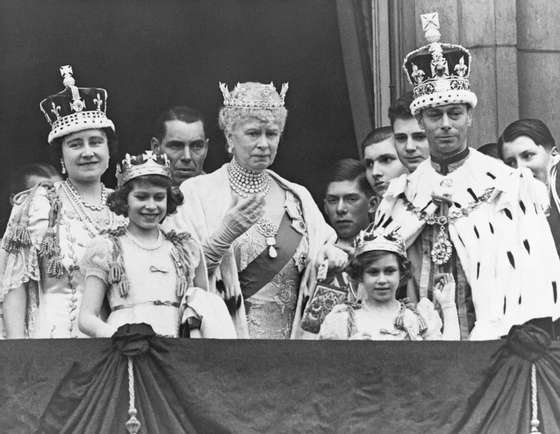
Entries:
{"x":46,"y":237}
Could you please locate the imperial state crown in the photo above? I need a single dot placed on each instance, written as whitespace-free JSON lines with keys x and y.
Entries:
{"x":438,"y":71}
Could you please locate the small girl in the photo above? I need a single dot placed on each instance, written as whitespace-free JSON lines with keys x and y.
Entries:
{"x":380,"y":265}
{"x":149,"y":275}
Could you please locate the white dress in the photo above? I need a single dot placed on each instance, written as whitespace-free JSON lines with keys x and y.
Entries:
{"x":54,"y":283}
{"x":151,"y":295}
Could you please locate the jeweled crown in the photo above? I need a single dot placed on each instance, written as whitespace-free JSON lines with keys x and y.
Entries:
{"x":370,"y":240}
{"x":253,"y":95}
{"x":438,"y":71}
{"x":148,"y":163}
{"x":75,"y":108}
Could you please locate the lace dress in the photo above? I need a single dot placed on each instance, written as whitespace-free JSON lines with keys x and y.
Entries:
{"x":46,"y":237}
{"x":270,"y":285}
{"x":423,"y":323}
{"x":151,"y":284}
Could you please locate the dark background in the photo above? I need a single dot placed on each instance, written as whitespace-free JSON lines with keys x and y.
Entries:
{"x":150,"y":55}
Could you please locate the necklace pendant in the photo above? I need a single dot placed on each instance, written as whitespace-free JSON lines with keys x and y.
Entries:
{"x":442,"y":249}
{"x":272,"y":253}
{"x":271,"y":243}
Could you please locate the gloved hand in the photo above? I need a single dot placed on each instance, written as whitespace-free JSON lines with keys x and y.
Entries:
{"x":241,"y":215}
{"x":444,"y":290}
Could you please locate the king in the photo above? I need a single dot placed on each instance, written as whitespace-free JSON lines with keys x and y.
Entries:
{"x":468,"y":214}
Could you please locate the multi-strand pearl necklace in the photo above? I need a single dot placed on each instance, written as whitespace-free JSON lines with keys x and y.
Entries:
{"x":76,"y":196}
{"x":247,"y":182}
{"x":92,"y":225}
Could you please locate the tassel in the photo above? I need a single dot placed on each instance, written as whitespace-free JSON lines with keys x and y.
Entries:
{"x":115,"y":273}
{"x":182,"y":286}
{"x":54,"y":267}
{"x":49,"y":245}
{"x":17,"y":238}
{"x":122,"y":287}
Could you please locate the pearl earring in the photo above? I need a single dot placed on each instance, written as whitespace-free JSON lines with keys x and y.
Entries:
{"x":62,"y":167}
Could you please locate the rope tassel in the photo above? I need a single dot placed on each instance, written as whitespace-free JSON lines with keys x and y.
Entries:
{"x":19,"y":237}
{"x":132,"y":424}
{"x":534,"y":402}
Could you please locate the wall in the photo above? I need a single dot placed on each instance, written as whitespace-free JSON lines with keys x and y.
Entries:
{"x":150,"y":55}
{"x":516,"y":52}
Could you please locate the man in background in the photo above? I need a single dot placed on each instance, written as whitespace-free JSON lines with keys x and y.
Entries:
{"x":381,"y":162}
{"x":410,"y":139}
{"x":180,"y":134}
{"x":347,"y":200}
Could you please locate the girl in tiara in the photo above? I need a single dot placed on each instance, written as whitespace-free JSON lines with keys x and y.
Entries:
{"x":380,"y":265}
{"x":146,"y":274}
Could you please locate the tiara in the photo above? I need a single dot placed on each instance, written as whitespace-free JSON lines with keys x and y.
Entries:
{"x":368,"y":241}
{"x":148,"y":163}
{"x":75,"y":108}
{"x":252,"y":95}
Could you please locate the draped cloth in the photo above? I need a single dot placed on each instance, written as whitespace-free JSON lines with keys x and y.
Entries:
{"x":253,"y":386}
{"x":502,"y":403}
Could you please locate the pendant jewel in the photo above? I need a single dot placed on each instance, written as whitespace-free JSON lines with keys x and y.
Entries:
{"x":268,"y":231}
{"x":271,"y":243}
{"x":442,"y":249}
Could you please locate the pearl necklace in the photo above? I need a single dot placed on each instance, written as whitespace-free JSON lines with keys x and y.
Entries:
{"x":247,"y":182}
{"x":78,"y":198}
{"x":92,"y":225}
{"x":157,"y":245}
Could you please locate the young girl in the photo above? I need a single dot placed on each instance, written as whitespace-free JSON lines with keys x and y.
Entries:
{"x":380,"y":264}
{"x":148,"y":275}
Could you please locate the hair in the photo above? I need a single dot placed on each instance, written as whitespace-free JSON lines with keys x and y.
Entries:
{"x":118,"y":200}
{"x":535,"y":129}
{"x":350,"y":169}
{"x":229,"y":116}
{"x":55,"y":148}
{"x":401,"y":108}
{"x":376,"y":136}
{"x":490,"y":149}
{"x":359,"y":263}
{"x":19,"y":176}
{"x":183,"y":113}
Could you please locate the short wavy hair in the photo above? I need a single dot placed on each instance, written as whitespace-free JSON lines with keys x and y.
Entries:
{"x":118,"y":200}
{"x":359,"y":263}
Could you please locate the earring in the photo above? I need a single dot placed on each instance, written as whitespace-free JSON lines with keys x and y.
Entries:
{"x":62,"y":167}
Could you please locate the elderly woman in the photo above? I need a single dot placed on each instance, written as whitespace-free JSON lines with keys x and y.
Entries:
{"x":259,"y":231}
{"x":50,"y":225}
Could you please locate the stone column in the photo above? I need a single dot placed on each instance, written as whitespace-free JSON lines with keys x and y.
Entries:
{"x":488,"y":30}
{"x":538,"y":43}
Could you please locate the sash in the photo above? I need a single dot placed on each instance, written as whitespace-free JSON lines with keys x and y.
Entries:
{"x":263,"y":268}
